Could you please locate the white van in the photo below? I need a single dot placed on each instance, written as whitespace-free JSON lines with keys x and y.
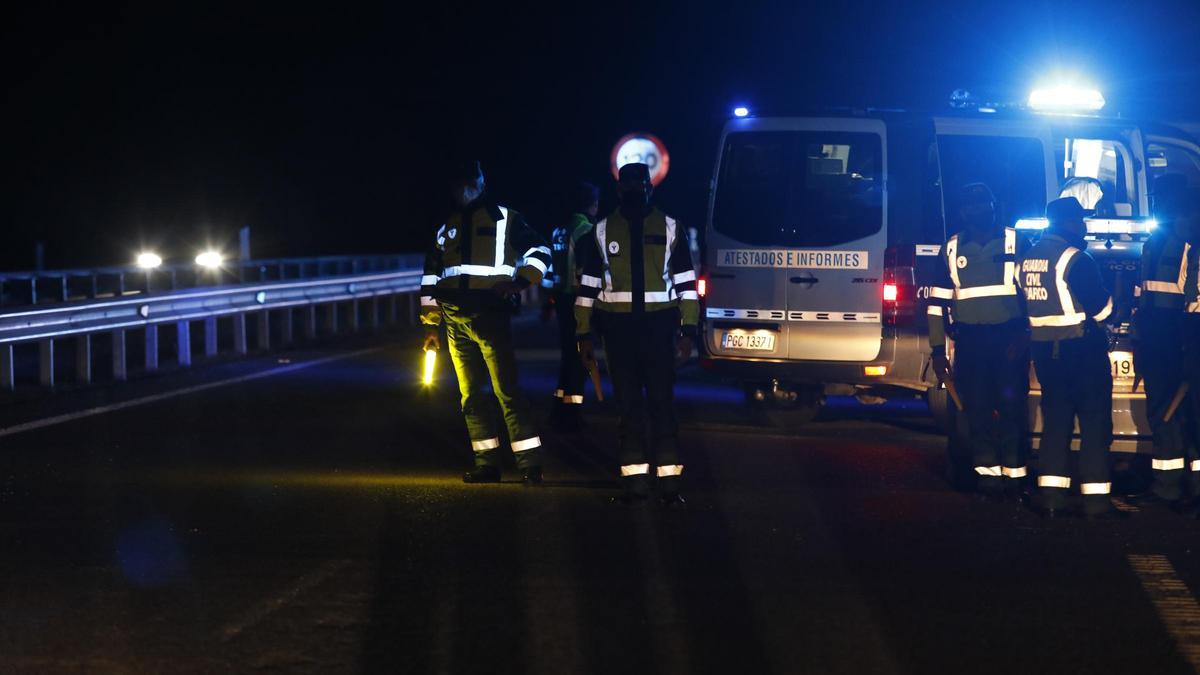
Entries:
{"x":823,"y":234}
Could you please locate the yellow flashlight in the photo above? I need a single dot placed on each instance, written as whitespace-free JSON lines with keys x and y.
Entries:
{"x":430,"y":361}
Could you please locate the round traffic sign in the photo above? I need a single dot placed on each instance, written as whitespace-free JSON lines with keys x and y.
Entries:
{"x":643,"y":148}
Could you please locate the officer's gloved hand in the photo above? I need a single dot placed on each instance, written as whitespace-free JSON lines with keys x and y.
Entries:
{"x":433,"y":342}
{"x":683,"y":349}
{"x":941,"y":367}
{"x":587,"y":353}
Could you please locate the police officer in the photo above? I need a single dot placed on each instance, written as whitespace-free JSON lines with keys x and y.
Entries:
{"x":1067,"y":300}
{"x":639,"y":281}
{"x":563,"y":281}
{"x":481,"y":259}
{"x":1158,"y":326}
{"x":977,"y":290}
{"x":1191,"y":353}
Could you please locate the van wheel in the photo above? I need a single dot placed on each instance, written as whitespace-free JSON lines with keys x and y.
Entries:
{"x":939,"y":407}
{"x":960,"y":466}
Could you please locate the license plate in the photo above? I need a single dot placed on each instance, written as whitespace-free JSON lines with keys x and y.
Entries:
{"x":763,"y":341}
{"x":1122,"y":365}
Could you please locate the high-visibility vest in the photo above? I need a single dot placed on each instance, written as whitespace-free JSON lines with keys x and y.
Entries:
{"x":664,"y":280}
{"x":1054,"y":311}
{"x":983,"y":285}
{"x":1164,"y":271}
{"x":469,"y":258}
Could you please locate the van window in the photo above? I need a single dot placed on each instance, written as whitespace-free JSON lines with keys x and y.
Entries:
{"x":1164,"y":158}
{"x":1099,"y":172}
{"x":799,"y":188}
{"x":1013,"y":167}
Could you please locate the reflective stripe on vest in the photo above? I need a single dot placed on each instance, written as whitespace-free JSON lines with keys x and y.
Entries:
{"x":1068,"y":315}
{"x":1171,"y":287}
{"x":668,"y":294}
{"x":1008,"y":285}
{"x":498,"y":268}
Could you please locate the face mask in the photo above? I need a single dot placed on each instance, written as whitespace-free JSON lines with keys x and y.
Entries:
{"x":467,"y":194}
{"x":634,"y":196}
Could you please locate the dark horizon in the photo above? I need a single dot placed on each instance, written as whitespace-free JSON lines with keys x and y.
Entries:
{"x":324,"y":132}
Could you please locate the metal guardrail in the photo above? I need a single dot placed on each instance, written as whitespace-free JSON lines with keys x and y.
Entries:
{"x":273,"y":304}
{"x":46,"y":286}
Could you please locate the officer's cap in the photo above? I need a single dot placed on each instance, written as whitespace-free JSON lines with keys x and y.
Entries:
{"x":975,"y":193}
{"x":1064,"y":210}
{"x":634,"y":172}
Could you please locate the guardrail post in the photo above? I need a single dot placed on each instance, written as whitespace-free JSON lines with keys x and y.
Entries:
{"x":151,"y":346}
{"x":83,"y":359}
{"x":354,"y":309}
{"x":8,"y":378}
{"x":264,"y":330}
{"x":310,"y":322}
{"x":331,"y":318}
{"x":46,"y":362}
{"x":373,"y":320}
{"x":119,"y":366}
{"x":393,"y":308}
{"x":239,"y":334}
{"x":413,"y":307}
{"x":210,"y":337}
{"x":183,"y":343}
{"x":285,"y":332}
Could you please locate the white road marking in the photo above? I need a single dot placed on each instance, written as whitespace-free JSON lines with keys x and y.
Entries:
{"x":273,"y":604}
{"x":1176,"y":606}
{"x":154,"y":398}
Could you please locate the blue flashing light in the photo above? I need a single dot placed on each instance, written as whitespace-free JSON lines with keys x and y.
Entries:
{"x":1066,"y":98}
{"x":741,"y":111}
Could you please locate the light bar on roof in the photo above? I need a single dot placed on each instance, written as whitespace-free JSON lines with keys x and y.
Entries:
{"x":1097,"y":225}
{"x":1066,"y":98}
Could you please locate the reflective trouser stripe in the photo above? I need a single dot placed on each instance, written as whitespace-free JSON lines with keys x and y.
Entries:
{"x":1168,"y":464}
{"x":1095,"y":488}
{"x":987,"y":470}
{"x":1054,"y":482}
{"x":1196,"y":465}
{"x":574,"y":398}
{"x":670,"y":470}
{"x":558,"y":393}
{"x":635,"y":470}
{"x":527,"y":444}
{"x":485,"y":445}
{"x":1017,"y":472}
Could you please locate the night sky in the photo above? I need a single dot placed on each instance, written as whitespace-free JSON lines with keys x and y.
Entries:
{"x":325,"y":131}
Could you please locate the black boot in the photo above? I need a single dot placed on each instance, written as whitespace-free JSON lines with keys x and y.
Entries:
{"x":482,"y":474}
{"x":532,"y":477}
{"x":668,"y":491}
{"x":636,"y":490}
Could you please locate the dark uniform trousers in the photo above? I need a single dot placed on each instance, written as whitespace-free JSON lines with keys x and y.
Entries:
{"x":481,"y":342}
{"x":1191,"y":404}
{"x":1158,"y":359}
{"x":994,"y":392}
{"x":1076,"y":379}
{"x":571,"y":373}
{"x":640,"y":348}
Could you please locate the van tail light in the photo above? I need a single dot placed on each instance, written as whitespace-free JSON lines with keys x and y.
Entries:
{"x":899,"y":288}
{"x":702,"y":287}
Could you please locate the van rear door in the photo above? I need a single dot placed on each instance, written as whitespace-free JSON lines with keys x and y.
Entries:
{"x":798,"y":219}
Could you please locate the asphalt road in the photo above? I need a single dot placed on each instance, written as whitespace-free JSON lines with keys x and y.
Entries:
{"x":310,"y":518}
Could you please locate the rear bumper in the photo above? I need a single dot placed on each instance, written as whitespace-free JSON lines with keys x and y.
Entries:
{"x":1131,"y":427}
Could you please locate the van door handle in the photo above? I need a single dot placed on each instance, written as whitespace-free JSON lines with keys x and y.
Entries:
{"x":804,"y":280}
